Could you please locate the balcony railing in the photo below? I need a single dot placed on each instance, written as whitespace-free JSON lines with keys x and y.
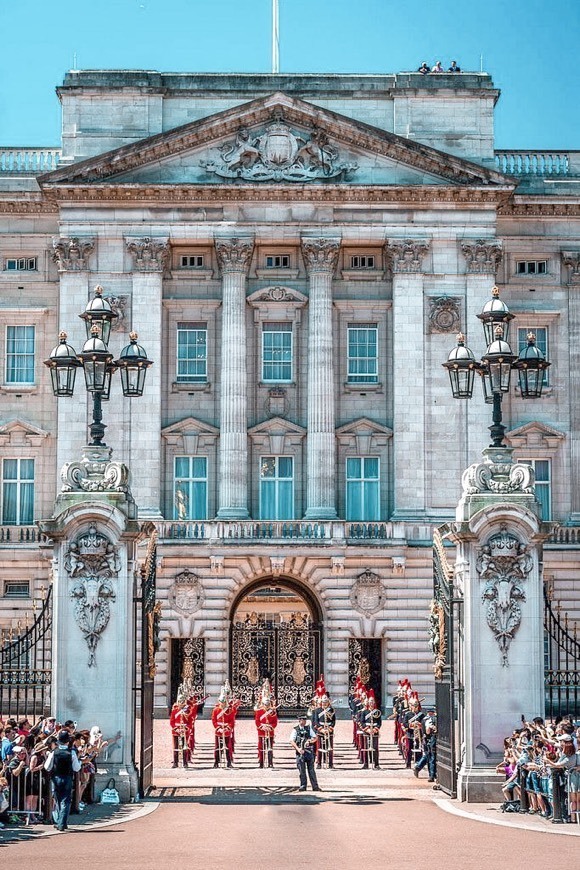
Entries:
{"x":287,"y":531}
{"x":29,"y":161}
{"x":539,"y":164}
{"x":19,"y":534}
{"x":567,"y":535}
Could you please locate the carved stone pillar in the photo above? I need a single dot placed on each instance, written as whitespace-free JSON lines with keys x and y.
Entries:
{"x":71,"y":256}
{"x":234,"y":256}
{"x":150,"y":257}
{"x":95,"y":532}
{"x":482,"y":258}
{"x":499,"y":535}
{"x":571,"y":262}
{"x":320,"y":256}
{"x":406,"y":261}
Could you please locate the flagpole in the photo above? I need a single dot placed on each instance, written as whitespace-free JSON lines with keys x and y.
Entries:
{"x":275,"y":38}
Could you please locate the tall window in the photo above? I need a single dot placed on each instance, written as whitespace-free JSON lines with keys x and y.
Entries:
{"x":276,"y":488}
{"x":362,"y":488}
{"x":20,"y":354}
{"x":541,"y":333}
{"x":190,"y":488}
{"x":543,"y":484}
{"x":276,"y":351}
{"x":362,"y":353}
{"x":17,"y":492}
{"x":192,"y":352}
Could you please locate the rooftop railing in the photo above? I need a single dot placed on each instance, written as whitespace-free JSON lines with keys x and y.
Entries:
{"x":29,"y":161}
{"x":540,"y":164}
{"x":288,"y":531}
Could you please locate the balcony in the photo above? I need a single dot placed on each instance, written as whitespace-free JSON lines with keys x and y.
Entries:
{"x":538,"y":164}
{"x":28,"y":161}
{"x":290,"y":532}
{"x":20,"y":535}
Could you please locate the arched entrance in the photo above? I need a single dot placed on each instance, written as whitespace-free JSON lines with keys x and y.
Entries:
{"x":276,"y":632}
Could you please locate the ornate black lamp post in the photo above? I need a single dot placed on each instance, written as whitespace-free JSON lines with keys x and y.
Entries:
{"x":98,"y":363}
{"x":496,"y":365}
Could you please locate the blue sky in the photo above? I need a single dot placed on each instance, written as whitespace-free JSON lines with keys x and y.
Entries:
{"x":529,"y":47}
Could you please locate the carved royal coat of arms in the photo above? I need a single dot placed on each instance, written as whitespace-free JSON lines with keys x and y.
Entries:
{"x":368,"y":594}
{"x":186,"y":594}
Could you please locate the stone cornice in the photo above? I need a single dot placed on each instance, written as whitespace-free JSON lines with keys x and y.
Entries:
{"x":27,"y":206}
{"x":539,"y":208}
{"x":189,"y":194}
{"x":207,"y":131}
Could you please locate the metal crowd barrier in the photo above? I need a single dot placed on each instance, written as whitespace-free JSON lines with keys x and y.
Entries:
{"x":29,"y":795}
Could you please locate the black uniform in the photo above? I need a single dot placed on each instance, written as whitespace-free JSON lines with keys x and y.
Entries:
{"x":304,"y":738}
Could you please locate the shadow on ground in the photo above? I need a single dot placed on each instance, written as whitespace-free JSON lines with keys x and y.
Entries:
{"x":263,"y":795}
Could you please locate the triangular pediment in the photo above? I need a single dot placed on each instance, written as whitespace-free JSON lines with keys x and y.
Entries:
{"x":189,"y":426}
{"x":364,"y":426}
{"x":534,"y":435}
{"x":20,"y":432}
{"x":277,"y":426}
{"x":276,"y":140}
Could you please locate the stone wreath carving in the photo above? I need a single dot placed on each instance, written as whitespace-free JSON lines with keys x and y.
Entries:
{"x":186,"y":594}
{"x":498,"y":477}
{"x":444,"y":314}
{"x":368,"y":594}
{"x":503,"y":564}
{"x":278,"y":154}
{"x":92,"y":563}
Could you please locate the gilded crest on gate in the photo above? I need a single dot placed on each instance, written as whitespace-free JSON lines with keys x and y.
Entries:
{"x":186,"y":594}
{"x":368,"y":594}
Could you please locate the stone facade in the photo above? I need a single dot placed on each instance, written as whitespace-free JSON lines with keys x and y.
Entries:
{"x":359,"y":220}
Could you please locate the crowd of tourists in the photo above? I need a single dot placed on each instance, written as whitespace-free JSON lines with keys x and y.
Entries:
{"x":541,"y":765}
{"x":36,"y":759}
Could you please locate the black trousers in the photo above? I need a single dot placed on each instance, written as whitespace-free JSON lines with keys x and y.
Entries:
{"x":306,"y":763}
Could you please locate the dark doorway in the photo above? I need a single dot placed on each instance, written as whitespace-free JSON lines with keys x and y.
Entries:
{"x":364,"y":661}
{"x":187,"y":667}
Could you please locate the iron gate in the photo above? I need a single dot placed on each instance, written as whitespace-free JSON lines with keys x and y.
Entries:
{"x":447,"y":683}
{"x":562,"y":663}
{"x":26,"y":667}
{"x":364,"y":661}
{"x":188,"y":666}
{"x":288,"y":656}
{"x":147,"y":616}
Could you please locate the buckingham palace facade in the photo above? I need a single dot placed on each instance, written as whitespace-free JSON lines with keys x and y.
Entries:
{"x":297,"y":254}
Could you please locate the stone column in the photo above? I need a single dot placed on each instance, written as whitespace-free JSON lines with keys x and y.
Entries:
{"x":571,"y":260}
{"x":150,"y":258}
{"x":94,"y":530}
{"x":406,"y":261}
{"x":320,"y":256}
{"x":71,"y":256}
{"x":499,"y":538}
{"x":234,"y":256}
{"x":482,"y":257}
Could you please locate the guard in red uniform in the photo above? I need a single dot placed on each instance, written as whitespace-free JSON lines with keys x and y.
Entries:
{"x":266,"y":719}
{"x":181,"y":725}
{"x":223,"y":719}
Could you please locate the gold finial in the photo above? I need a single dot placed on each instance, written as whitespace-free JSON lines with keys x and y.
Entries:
{"x":531,"y":337}
{"x":95,"y":330}
{"x":495,"y":292}
{"x":498,"y":332}
{"x":133,"y":336}
{"x":460,"y":338}
{"x":62,"y":336}
{"x":98,"y":290}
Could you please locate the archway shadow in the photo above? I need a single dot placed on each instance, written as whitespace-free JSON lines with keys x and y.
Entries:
{"x":264,"y":795}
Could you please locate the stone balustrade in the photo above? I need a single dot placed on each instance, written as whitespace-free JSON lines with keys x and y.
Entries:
{"x":288,"y":531}
{"x":19,"y":535}
{"x":565,"y":535}
{"x":29,"y":161}
{"x":541,"y":164}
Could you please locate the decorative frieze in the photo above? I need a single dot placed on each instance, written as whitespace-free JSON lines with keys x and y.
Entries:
{"x":444,"y":314}
{"x":320,"y":255}
{"x":149,"y":255}
{"x":119,"y":305}
{"x":71,"y":255}
{"x":407,"y":255}
{"x":234,"y":255}
{"x":92,"y":563}
{"x":503,"y":564}
{"x":482,"y":256}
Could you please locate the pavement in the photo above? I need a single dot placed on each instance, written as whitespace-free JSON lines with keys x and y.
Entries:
{"x":229,"y":798}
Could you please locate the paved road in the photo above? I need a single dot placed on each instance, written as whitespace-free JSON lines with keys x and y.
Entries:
{"x":295,"y":831}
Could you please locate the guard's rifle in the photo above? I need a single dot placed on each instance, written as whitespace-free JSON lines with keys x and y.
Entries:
{"x":325,"y":732}
{"x":222,"y":733}
{"x":370,"y":732}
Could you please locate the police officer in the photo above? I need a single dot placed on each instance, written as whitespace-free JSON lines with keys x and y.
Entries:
{"x":61,"y":764}
{"x":303,"y":740}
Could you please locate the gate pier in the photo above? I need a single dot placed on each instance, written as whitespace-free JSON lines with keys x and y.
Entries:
{"x":95,"y":532}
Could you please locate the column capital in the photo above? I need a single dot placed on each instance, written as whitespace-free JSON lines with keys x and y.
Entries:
{"x":571,"y":259}
{"x":482,"y":256}
{"x":406,"y":255}
{"x":149,"y":255}
{"x":234,"y":255}
{"x":320,"y":255}
{"x":71,"y":254}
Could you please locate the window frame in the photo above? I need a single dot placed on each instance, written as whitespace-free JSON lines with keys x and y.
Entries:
{"x":545,"y":485}
{"x":183,"y":326}
{"x":354,"y":379}
{"x":191,"y":481}
{"x":19,"y":481}
{"x":278,"y":265}
{"x":277,"y":480}
{"x":266,"y":327}
{"x":21,"y":264}
{"x":536,"y":272}
{"x":362,"y":480}
{"x":522,"y":343}
{"x":8,"y":355}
